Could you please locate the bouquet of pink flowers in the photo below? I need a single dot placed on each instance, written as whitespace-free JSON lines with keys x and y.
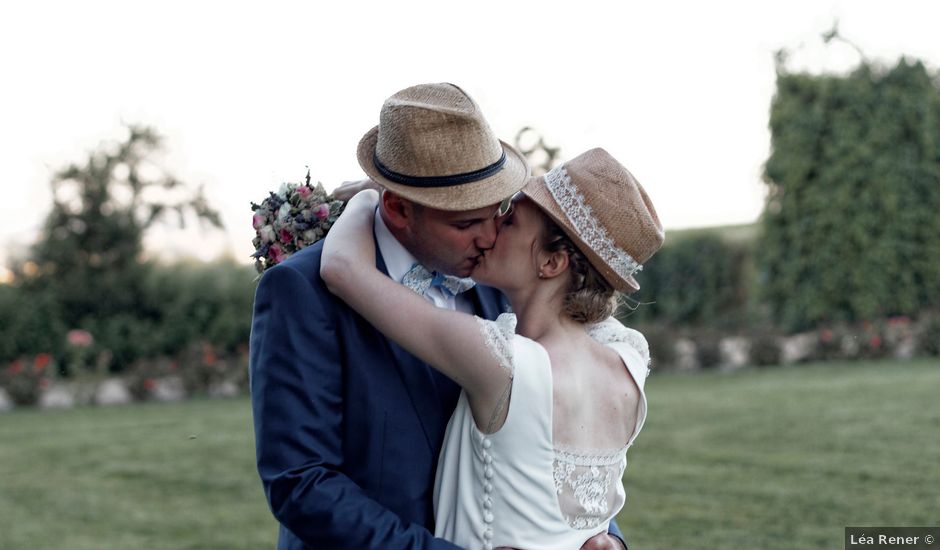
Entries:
{"x":295,"y":217}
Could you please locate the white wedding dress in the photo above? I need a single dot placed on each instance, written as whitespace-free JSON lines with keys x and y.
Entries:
{"x":515,"y":487}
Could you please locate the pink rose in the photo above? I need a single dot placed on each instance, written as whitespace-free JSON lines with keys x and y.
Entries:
{"x":285,"y":236}
{"x":322,"y":211}
{"x":276,"y":254}
{"x":79,"y":338}
{"x":257,"y":221}
{"x":304,"y":191}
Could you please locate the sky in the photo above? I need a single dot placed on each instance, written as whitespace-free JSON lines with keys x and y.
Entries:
{"x":248,"y":94}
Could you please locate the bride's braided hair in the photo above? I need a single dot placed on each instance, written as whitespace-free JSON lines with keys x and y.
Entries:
{"x":589,"y":298}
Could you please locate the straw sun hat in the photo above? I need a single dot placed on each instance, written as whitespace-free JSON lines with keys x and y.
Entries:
{"x":433,"y":146}
{"x":605,"y":212}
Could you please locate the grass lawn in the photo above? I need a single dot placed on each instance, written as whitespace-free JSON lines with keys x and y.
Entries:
{"x":785,"y":458}
{"x":150,"y":476}
{"x":775,"y":458}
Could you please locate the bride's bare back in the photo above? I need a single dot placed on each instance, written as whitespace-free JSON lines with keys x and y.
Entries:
{"x":595,"y":398}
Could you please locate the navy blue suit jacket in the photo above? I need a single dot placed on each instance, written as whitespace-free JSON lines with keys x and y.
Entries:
{"x":348,"y":425}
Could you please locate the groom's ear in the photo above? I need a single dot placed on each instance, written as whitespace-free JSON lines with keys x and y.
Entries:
{"x":399,"y":212}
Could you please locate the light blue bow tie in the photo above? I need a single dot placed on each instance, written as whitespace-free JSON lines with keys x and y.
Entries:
{"x":419,"y":279}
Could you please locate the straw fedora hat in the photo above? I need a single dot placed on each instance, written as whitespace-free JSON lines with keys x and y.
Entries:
{"x":606,"y":213}
{"x":433,"y":146}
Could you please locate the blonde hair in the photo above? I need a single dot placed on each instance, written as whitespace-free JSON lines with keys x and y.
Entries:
{"x":589,"y":298}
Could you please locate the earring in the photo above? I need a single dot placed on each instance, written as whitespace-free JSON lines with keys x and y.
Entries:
{"x":541,"y":275}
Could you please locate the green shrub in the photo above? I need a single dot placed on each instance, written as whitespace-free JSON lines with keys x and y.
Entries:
{"x":30,"y":323}
{"x":700,"y":279}
{"x":172,"y":308}
{"x":707,"y":350}
{"x":662,"y":344}
{"x":930,"y":336}
{"x":195,"y":303}
{"x":23,"y":379}
{"x":765,"y":350}
{"x":849,"y":231}
{"x":142,"y":376}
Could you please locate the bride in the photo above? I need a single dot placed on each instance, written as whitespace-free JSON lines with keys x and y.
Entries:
{"x":552,"y":397}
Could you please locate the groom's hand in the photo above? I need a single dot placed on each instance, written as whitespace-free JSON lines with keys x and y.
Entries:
{"x":348,"y":189}
{"x":604,"y":541}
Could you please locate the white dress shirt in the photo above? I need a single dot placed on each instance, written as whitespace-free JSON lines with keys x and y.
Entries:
{"x":399,"y":261}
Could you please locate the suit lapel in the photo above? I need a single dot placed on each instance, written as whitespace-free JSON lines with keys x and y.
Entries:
{"x":488,"y":302}
{"x":418,"y":381}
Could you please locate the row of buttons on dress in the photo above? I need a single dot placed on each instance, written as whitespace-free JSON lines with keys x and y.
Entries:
{"x":487,"y":493}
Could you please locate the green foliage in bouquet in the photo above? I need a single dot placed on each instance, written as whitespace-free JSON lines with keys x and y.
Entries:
{"x":297,"y":216}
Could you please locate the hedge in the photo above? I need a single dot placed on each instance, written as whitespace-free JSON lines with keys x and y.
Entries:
{"x":850,"y":230}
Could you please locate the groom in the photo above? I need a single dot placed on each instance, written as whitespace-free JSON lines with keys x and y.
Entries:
{"x":348,"y":425}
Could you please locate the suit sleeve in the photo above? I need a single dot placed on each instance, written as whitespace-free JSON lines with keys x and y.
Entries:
{"x":614,"y":530}
{"x":297,"y":402}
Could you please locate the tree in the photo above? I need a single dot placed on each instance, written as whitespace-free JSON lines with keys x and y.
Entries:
{"x":89,"y":255}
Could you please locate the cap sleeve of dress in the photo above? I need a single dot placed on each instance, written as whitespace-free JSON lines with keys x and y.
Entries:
{"x":612,"y":331}
{"x":498,"y":336}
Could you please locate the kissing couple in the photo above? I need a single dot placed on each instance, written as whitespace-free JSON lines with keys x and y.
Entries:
{"x":443,"y":370}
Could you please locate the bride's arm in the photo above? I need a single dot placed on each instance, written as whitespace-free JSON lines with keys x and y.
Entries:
{"x":449,"y":341}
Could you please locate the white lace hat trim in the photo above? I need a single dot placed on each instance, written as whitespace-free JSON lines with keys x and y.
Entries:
{"x":586,"y":225}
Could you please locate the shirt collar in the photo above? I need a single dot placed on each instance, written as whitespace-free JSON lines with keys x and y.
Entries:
{"x":398,"y":260}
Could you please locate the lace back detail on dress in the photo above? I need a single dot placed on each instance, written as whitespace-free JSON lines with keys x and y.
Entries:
{"x":586,"y":485}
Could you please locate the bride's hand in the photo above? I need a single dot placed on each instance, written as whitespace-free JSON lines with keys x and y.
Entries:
{"x":349,"y":188}
{"x":350,"y":243}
